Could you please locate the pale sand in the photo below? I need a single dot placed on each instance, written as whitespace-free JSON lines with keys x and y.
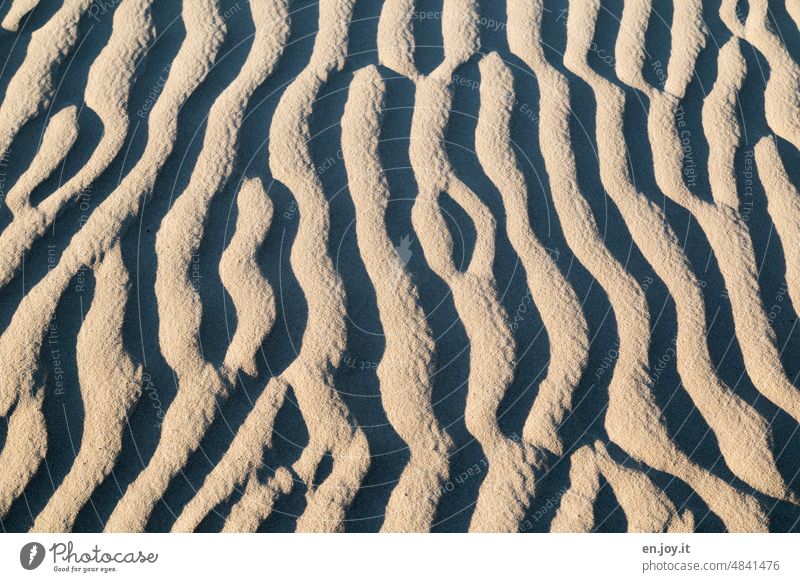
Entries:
{"x":405,"y":369}
{"x":19,"y":9}
{"x":264,"y":422}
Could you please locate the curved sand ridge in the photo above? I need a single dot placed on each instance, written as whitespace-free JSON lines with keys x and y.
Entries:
{"x":31,"y":87}
{"x":556,"y":300}
{"x":721,"y":220}
{"x":509,"y":482}
{"x":780,"y":95}
{"x":255,"y":310}
{"x":107,"y":93}
{"x":632,"y":417}
{"x":57,"y":141}
{"x":646,"y":507}
{"x":733,"y":421}
{"x":325,"y":415}
{"x":407,"y":363}
{"x":633,"y":462}
{"x":179,"y":307}
{"x":21,"y":342}
{"x":110,"y":384}
{"x":19,"y":10}
{"x":250,"y":291}
{"x":783,"y":204}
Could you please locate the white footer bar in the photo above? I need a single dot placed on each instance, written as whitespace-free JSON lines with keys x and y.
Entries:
{"x":389,"y":557}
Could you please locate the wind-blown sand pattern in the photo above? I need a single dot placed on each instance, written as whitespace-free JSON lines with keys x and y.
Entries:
{"x":401,"y":266}
{"x":19,"y":9}
{"x":732,"y":420}
{"x":405,"y":370}
{"x":177,"y":241}
{"x":107,"y":91}
{"x":58,"y":139}
{"x":109,"y":386}
{"x":783,"y":204}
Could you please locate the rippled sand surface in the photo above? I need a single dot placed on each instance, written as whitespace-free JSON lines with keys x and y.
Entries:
{"x":404,"y":266}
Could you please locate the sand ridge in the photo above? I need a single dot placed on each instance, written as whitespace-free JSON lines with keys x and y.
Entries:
{"x":326,"y":114}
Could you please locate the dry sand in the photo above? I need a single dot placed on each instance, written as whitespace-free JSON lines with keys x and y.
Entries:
{"x":399,"y":266}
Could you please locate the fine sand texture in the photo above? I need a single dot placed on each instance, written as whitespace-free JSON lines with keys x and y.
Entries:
{"x":400,"y":266}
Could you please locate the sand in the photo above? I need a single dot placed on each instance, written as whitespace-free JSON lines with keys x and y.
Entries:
{"x":390,"y":266}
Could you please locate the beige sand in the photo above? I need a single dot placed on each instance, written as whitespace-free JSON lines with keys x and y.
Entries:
{"x":323,"y":340}
{"x":645,"y":506}
{"x":19,"y":9}
{"x":199,"y":384}
{"x":784,"y":209}
{"x":57,"y":141}
{"x":21,"y":342}
{"x":632,"y":418}
{"x":109,"y":386}
{"x":107,"y":94}
{"x":556,"y":300}
{"x":633,"y":453}
{"x":31,"y":87}
{"x":509,"y":481}
{"x":406,"y":366}
{"x":743,"y":435}
{"x":251,"y":293}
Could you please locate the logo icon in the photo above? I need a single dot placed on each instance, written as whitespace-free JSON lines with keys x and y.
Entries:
{"x":403,"y":250}
{"x":403,"y":255}
{"x":31,"y":555}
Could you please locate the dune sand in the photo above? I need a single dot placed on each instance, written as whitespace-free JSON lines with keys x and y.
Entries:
{"x":386,"y":266}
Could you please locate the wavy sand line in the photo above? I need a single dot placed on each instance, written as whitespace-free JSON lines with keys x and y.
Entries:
{"x":407,"y":363}
{"x":396,"y":37}
{"x":200,"y":385}
{"x":324,"y":412}
{"x":239,"y":464}
{"x":558,"y":305}
{"x":19,"y":9}
{"x":728,"y":234}
{"x":20,"y":345}
{"x":743,"y":435}
{"x":205,"y":32}
{"x":629,"y":50}
{"x":22,"y":340}
{"x":324,"y":338}
{"x":575,"y":513}
{"x":721,"y":222}
{"x":721,"y":126}
{"x":780,"y":95}
{"x":793,"y":8}
{"x":783,"y":205}
{"x":688,"y":39}
{"x":242,"y":278}
{"x":57,"y":141}
{"x":647,"y":509}
{"x":31,"y":87}
{"x":21,"y":456}
{"x":257,"y":502}
{"x":111,"y":77}
{"x":110,"y":383}
{"x":182,"y":229}
{"x":688,"y":33}
{"x":632,"y":418}
{"x":630,"y":401}
{"x":509,"y":482}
